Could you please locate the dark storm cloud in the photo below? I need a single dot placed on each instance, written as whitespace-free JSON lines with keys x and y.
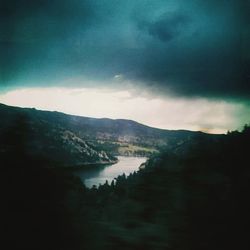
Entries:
{"x":27,"y":20}
{"x":35,"y":35}
{"x":189,"y":48}
{"x":167,"y":27}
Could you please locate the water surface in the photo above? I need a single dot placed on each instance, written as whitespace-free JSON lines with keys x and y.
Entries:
{"x":99,"y":175}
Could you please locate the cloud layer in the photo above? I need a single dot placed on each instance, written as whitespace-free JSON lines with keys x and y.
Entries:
{"x":186,"y":48}
{"x":167,"y":113}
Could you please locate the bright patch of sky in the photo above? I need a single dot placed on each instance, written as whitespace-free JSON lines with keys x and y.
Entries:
{"x":162,"y":112}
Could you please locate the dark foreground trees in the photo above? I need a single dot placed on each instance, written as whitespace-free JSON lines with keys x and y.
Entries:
{"x":190,"y":198}
{"x":195,"y":198}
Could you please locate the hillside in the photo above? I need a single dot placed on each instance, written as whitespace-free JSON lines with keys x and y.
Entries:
{"x":192,"y":201}
{"x":196,"y":200}
{"x":23,"y":131}
{"x":74,"y":140}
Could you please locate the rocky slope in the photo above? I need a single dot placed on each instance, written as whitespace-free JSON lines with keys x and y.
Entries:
{"x":74,"y":140}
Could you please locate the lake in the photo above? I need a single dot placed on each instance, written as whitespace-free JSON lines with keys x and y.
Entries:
{"x":100,"y":174}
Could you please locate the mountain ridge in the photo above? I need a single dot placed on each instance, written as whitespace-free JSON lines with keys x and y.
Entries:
{"x":76,"y":140}
{"x":102,"y":119}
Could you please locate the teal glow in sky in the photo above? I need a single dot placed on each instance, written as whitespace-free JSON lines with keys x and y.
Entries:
{"x":192,"y":56}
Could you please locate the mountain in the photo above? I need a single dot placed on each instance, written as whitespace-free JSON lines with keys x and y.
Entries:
{"x":24,"y":130}
{"x":197,"y":200}
{"x":192,"y":195}
{"x":75,"y":140}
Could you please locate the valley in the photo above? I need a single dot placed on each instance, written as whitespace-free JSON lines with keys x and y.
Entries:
{"x":81,"y":183}
{"x":67,"y":140}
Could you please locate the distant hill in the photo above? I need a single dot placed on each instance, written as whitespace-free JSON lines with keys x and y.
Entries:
{"x":75,"y":140}
{"x":196,"y":200}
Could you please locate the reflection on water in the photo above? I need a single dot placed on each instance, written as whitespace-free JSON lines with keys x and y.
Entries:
{"x":99,"y":175}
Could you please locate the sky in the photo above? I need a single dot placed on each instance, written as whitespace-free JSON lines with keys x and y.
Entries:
{"x":174,"y":64}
